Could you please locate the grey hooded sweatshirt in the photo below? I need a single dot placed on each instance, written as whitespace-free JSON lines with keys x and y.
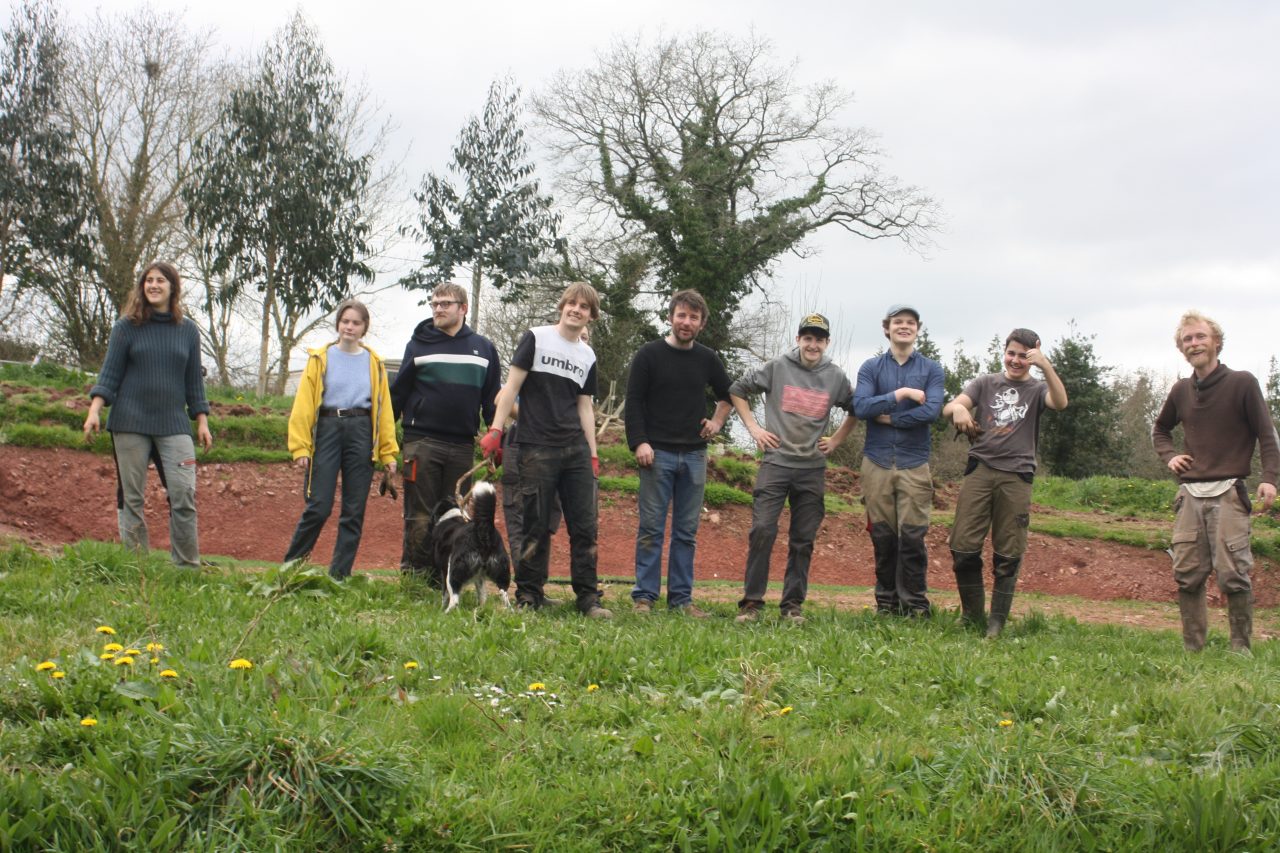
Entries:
{"x":797,"y":405}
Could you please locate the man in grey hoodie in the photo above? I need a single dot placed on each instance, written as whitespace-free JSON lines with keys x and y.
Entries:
{"x":800,"y":389}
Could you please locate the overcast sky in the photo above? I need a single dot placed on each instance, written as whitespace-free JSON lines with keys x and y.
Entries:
{"x":1111,"y":163}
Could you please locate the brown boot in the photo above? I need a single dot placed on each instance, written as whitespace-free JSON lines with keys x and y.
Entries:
{"x":1240,"y":616}
{"x":1195,"y":619}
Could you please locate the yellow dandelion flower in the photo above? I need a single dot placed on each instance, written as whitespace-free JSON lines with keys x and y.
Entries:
{"x":411,"y":664}
{"x":133,"y":652}
{"x":537,"y":685}
{"x":88,"y":721}
{"x":155,"y":660}
{"x":1004,"y":724}
{"x":113,"y":647}
{"x":107,"y":656}
{"x":782,"y":712}
{"x":155,"y":647}
{"x":168,"y":673}
{"x":105,"y":629}
{"x":57,"y":673}
{"x":241,"y":663}
{"x":46,"y":666}
{"x":592,"y":688}
{"x":124,"y":660}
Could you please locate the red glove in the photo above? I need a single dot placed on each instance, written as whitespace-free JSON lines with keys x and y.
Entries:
{"x":492,"y":443}
{"x":595,"y":466}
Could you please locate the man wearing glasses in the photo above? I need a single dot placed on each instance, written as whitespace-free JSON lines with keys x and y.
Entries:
{"x":448,"y":380}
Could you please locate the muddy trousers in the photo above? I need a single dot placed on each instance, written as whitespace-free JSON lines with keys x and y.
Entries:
{"x":898,"y":501}
{"x":999,"y":501}
{"x":175,"y":460}
{"x":1212,"y":534}
{"x":432,"y":469}
{"x":547,"y":473}
{"x":777,"y":485}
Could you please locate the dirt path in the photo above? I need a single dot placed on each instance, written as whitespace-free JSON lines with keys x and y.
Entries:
{"x":248,"y":511}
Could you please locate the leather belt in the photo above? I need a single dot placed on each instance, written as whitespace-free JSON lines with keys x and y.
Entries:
{"x":343,"y":413}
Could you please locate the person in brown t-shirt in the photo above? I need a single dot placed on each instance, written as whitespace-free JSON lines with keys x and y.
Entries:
{"x":996,"y":494}
{"x":1223,"y":416}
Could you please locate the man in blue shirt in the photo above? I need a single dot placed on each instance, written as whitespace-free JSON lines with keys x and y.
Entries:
{"x":899,"y":394}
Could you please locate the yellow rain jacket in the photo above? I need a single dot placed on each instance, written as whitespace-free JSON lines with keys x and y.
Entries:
{"x":306,"y":407}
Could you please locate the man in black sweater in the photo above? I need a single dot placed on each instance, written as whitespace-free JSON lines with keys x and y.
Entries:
{"x":448,"y":380}
{"x":1223,"y":416}
{"x":667,"y":429}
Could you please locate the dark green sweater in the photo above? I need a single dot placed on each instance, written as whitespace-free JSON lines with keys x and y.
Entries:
{"x":151,"y":375}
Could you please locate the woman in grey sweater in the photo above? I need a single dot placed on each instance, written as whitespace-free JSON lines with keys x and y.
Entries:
{"x":153,"y":383}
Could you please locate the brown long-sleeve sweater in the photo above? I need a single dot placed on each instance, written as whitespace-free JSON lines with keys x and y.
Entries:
{"x":1222,"y":417}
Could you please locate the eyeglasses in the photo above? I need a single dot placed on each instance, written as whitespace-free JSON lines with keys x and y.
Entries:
{"x":443,"y":303}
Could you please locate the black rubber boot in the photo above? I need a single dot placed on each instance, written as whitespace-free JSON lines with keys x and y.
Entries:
{"x":884,"y":541}
{"x":1006,"y":572}
{"x":1240,"y":617}
{"x":1195,"y":619}
{"x":973,"y":595}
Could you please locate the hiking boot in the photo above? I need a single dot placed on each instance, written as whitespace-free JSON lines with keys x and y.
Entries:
{"x":598,"y":612}
{"x":795,"y":617}
{"x":747,"y":614}
{"x":692,"y":611}
{"x":642,"y":607}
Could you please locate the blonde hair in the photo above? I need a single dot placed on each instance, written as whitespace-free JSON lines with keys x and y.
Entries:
{"x":580,"y":291}
{"x":1192,"y":317}
{"x":449,"y":290}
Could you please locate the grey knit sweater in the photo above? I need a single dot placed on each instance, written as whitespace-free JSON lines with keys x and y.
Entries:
{"x":150,"y":375}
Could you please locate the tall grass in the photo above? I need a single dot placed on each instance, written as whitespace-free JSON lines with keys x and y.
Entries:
{"x":546,"y":731}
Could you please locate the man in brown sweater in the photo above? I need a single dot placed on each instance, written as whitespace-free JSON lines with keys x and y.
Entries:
{"x":1223,"y":416}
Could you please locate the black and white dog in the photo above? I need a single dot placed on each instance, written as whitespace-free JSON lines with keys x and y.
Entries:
{"x":471,"y":551}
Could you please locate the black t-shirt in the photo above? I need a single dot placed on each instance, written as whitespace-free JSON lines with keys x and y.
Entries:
{"x":667,"y":395}
{"x":560,"y":371}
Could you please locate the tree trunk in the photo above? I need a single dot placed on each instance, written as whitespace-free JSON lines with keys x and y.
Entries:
{"x":474,"y":313}
{"x":264,"y":347}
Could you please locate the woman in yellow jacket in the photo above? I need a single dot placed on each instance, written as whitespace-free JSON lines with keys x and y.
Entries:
{"x":341,"y":421}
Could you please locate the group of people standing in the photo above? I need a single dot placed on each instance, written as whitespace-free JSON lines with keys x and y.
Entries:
{"x":343,"y":421}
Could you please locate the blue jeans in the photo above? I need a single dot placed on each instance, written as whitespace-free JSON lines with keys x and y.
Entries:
{"x":676,"y":480}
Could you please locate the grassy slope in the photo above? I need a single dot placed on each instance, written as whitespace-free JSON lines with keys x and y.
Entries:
{"x":848,"y":732}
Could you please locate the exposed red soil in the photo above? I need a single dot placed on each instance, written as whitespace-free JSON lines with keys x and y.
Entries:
{"x":248,"y":511}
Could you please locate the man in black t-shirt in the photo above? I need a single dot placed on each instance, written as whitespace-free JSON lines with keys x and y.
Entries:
{"x":667,"y":429}
{"x":554,"y":374}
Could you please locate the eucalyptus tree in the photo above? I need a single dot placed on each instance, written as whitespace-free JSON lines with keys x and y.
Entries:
{"x":139,"y":89}
{"x":43,"y":208}
{"x":278,"y":204}
{"x":493,"y":220}
{"x":722,"y":161}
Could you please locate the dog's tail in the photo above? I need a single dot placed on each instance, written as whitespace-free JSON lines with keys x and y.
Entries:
{"x":484,"y":503}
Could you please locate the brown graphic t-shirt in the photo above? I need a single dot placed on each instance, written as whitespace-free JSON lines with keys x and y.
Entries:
{"x":1009,"y":414}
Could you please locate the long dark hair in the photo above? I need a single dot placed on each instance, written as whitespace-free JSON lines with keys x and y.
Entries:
{"x":138,"y":310}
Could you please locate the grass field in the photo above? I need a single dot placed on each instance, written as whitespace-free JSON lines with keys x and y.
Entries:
{"x":548,"y":732}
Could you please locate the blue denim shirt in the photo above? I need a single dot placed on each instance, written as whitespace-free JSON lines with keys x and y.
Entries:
{"x":904,"y":442}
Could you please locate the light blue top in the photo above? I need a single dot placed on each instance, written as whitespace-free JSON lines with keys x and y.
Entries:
{"x":346,"y":380}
